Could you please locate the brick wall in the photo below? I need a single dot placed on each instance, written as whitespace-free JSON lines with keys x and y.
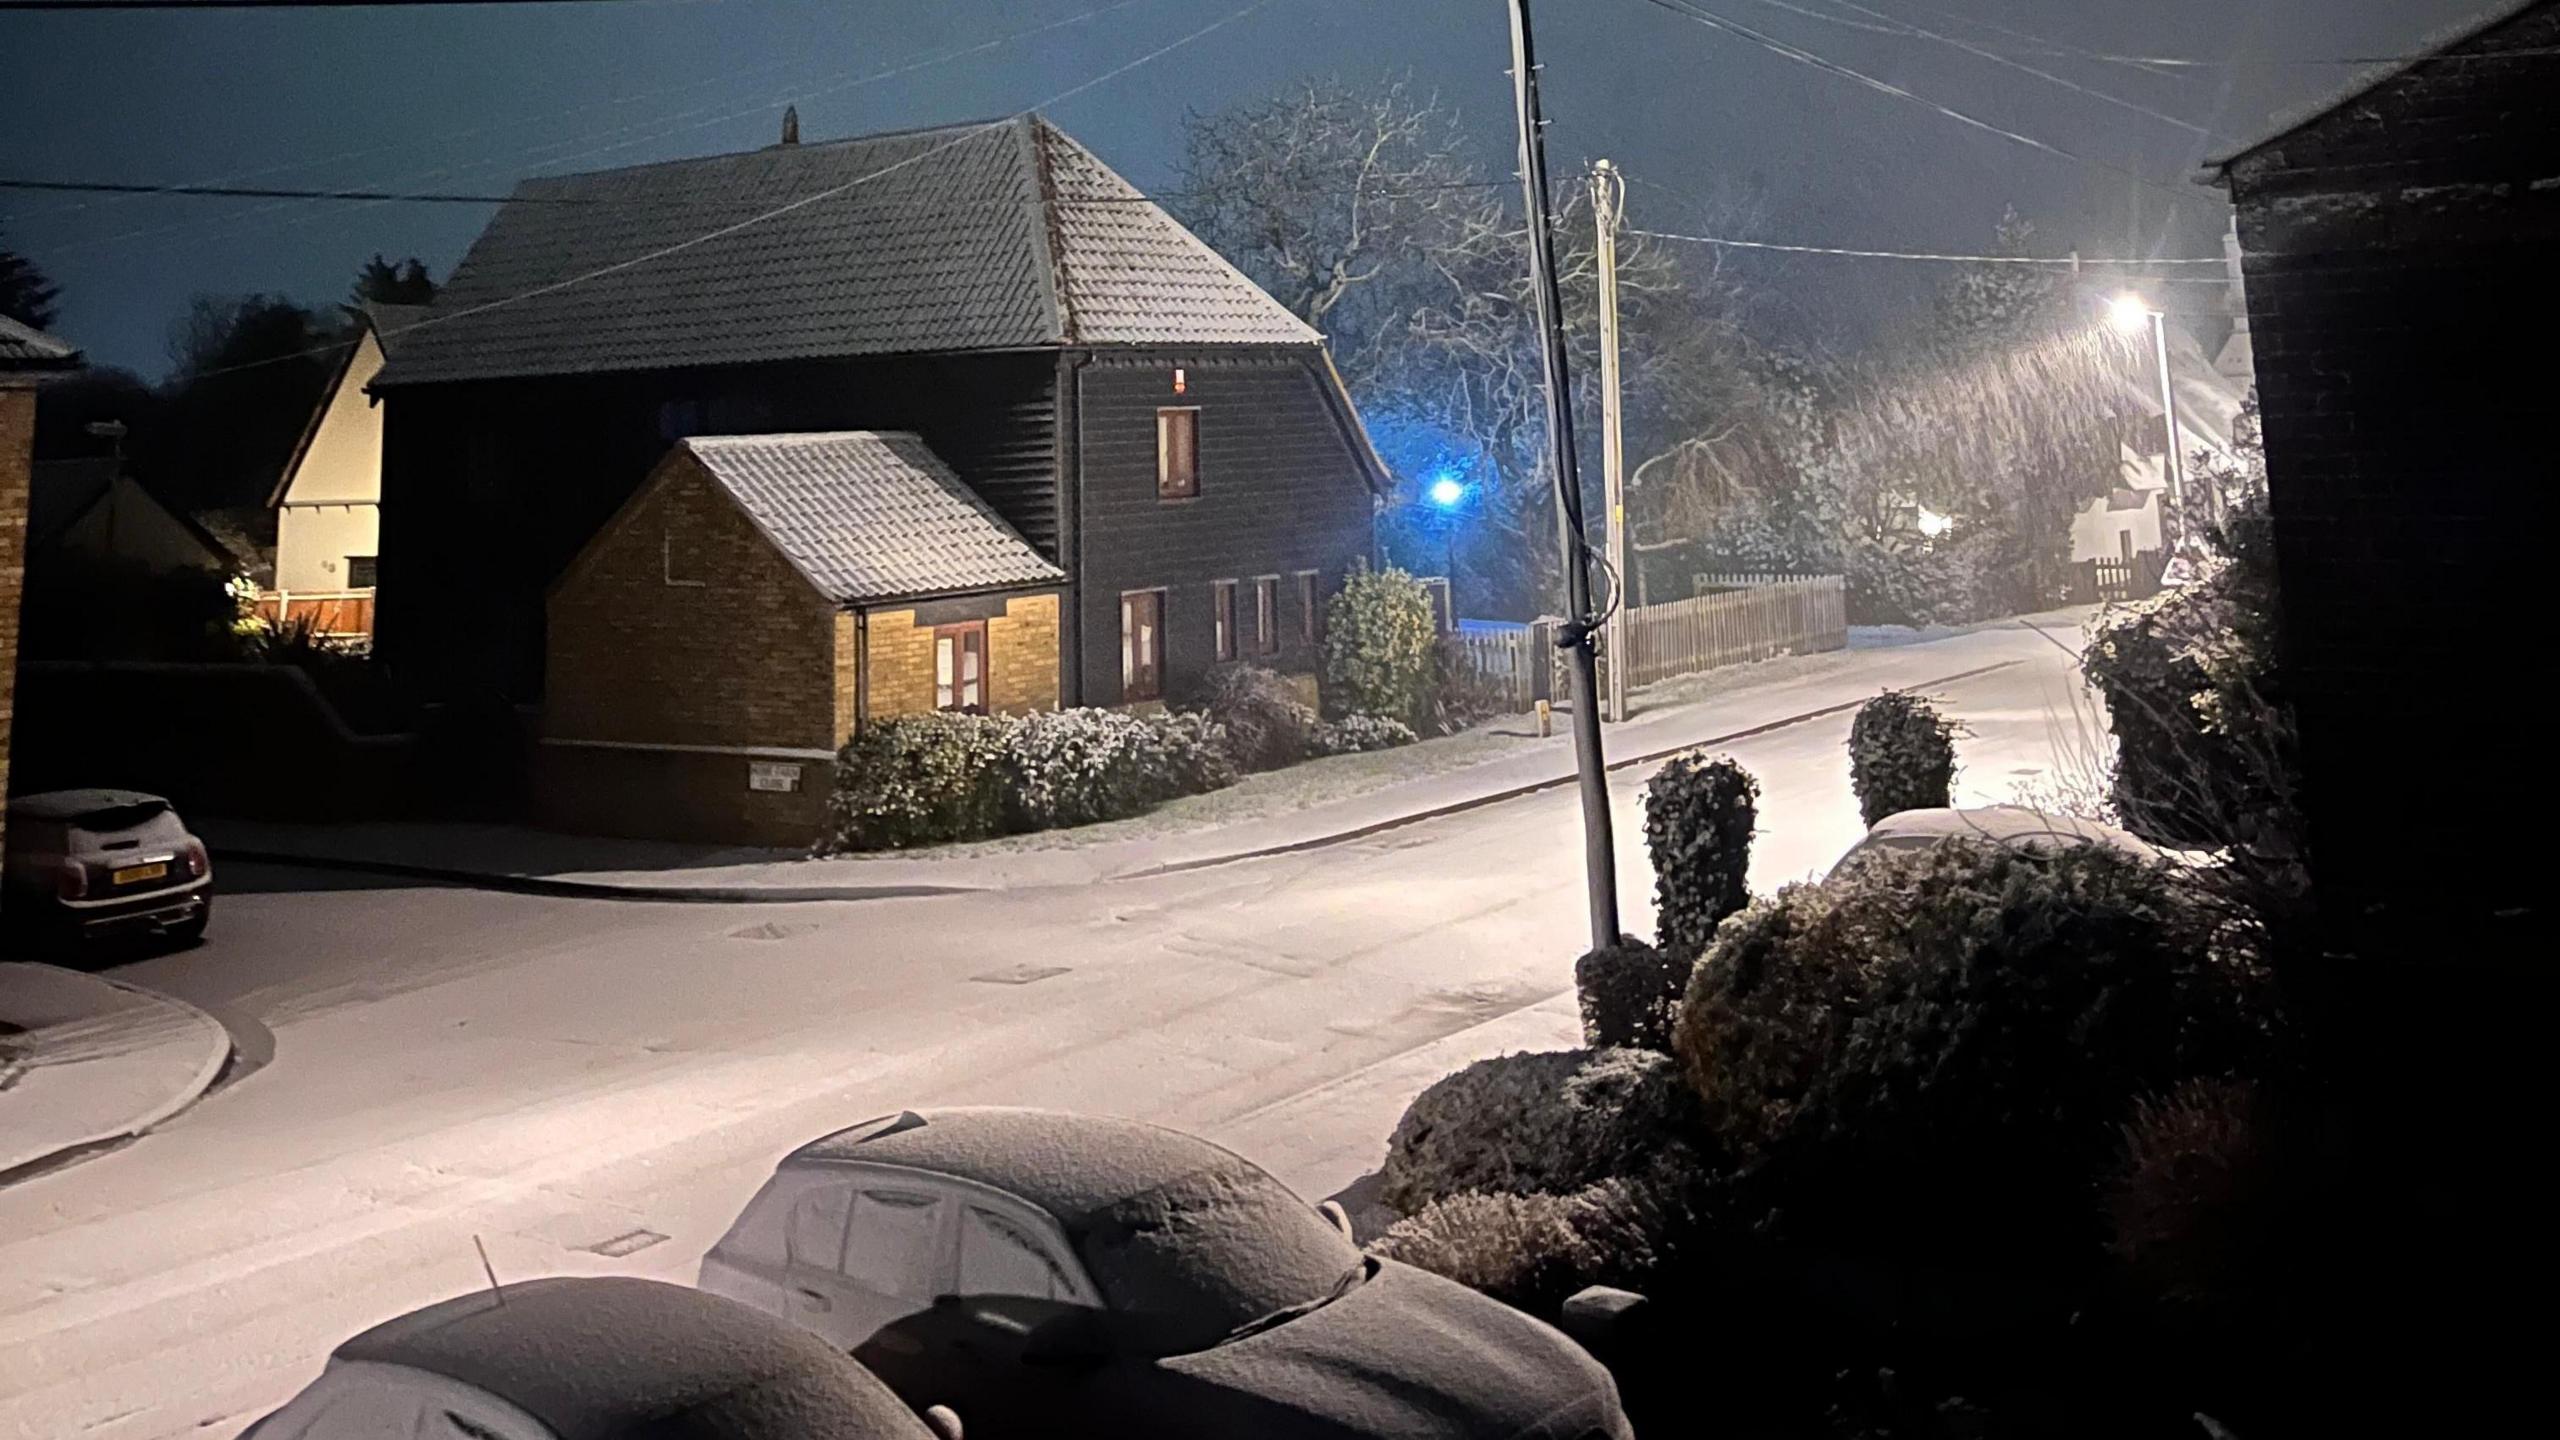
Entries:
{"x":2401,"y":304}
{"x":1022,"y":656}
{"x":681,"y":626}
{"x":675,"y":795}
{"x":17,"y":443}
{"x":899,"y":656}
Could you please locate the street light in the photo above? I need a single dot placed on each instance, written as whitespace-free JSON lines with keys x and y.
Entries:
{"x":1447,"y":492}
{"x":2129,"y":314}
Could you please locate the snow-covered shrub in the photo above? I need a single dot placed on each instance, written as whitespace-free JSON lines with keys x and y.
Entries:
{"x":1267,"y":725}
{"x":1353,"y":734}
{"x":1902,"y":756}
{"x":1540,"y":1123}
{"x":1379,"y":640}
{"x":1698,"y":816}
{"x":2191,"y":1205}
{"x":1533,"y":1251}
{"x":917,"y":780}
{"x":1629,"y":993}
{"x":1461,"y":695}
{"x":1934,"y":1049}
{"x":1079,"y":767}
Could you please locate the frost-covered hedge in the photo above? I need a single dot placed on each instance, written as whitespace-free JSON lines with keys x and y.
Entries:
{"x":927,"y":779}
{"x":1533,"y":1251}
{"x":1380,"y":641}
{"x":1353,"y":734}
{"x":1629,"y":994}
{"x":1540,"y":1123}
{"x":1698,"y":818}
{"x":1902,"y":756}
{"x":1267,"y":725}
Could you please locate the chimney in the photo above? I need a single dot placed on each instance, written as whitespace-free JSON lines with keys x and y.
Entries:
{"x":790,"y":124}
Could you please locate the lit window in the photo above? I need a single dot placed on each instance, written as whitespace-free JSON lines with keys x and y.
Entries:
{"x":1177,"y":454}
{"x":960,"y":668}
{"x":1266,"y":614}
{"x":1142,"y":645}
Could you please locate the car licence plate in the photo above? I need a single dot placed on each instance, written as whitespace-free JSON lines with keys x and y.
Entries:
{"x":133,"y":874}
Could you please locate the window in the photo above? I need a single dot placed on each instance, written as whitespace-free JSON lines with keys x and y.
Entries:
{"x":668,"y":564}
{"x":960,"y":667}
{"x":1142,"y":645}
{"x":998,"y":1257}
{"x":1310,"y":615}
{"x":360,"y":572}
{"x":895,"y":1247}
{"x":1266,"y":614}
{"x":1222,"y":600}
{"x":815,"y":1238}
{"x":1177,"y":453}
{"x":2124,"y":545}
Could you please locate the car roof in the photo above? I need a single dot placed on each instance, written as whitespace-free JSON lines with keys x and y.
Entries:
{"x":2005,"y":823}
{"x":596,"y":1357}
{"x":61,"y":805}
{"x":1072,"y":1166}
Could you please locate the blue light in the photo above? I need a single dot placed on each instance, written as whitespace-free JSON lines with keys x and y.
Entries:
{"x":1447,"y":492}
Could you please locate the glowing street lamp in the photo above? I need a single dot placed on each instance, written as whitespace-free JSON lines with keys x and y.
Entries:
{"x":1446,"y":492}
{"x":2130,"y":314}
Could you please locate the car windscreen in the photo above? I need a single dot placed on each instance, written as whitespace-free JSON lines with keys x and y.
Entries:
{"x":107,"y":819}
{"x":1184,"y":1264}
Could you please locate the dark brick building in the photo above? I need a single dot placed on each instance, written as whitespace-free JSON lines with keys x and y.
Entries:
{"x":2399,"y":247}
{"x":25,"y":355}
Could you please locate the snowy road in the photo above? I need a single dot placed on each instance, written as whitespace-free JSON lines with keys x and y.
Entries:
{"x":568,"y":1080}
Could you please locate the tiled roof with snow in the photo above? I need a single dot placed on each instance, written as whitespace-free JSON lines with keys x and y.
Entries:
{"x":993,"y":236}
{"x":870,"y":516}
{"x":24,"y":347}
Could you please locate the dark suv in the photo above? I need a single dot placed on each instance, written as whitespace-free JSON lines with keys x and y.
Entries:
{"x":89,"y":863}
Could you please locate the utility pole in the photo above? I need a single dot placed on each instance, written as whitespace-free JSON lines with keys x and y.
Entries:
{"x":1599,"y":846}
{"x":1608,"y":195}
{"x":2173,"y":464}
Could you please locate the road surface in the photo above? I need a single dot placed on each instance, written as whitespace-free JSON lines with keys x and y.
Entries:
{"x":596,"y":1086}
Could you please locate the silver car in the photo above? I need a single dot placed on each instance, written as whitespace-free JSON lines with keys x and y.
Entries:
{"x":1050,"y":1274}
{"x":90,"y":863}
{"x":2011,"y":826}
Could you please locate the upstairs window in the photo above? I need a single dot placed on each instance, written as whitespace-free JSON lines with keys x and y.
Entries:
{"x":1177,"y":453}
{"x":361,"y":572}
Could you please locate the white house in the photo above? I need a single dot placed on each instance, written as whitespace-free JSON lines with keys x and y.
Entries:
{"x":2126,"y":521}
{"x":328,"y":502}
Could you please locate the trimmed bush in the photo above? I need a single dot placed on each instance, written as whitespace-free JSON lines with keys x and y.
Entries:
{"x":1540,"y":1123}
{"x":1379,"y":642}
{"x":1902,"y":756}
{"x":918,"y":780}
{"x":1532,"y":1252}
{"x":1353,"y":734}
{"x":1935,"y":1050}
{"x":1629,"y":994}
{"x":1267,"y":725}
{"x":2190,"y":1204}
{"x":1078,"y":767}
{"x":1698,"y":816}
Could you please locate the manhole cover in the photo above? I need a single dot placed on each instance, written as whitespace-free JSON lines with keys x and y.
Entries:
{"x":770,"y":930}
{"x":1020,"y":975}
{"x":630,"y":1243}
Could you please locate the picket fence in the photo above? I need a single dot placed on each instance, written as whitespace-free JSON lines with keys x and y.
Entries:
{"x":1792,"y":616}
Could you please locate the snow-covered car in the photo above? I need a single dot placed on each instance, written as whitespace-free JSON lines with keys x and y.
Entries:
{"x":2017,"y":825}
{"x":591,"y":1358}
{"x":1054,"y":1274}
{"x":93,"y":863}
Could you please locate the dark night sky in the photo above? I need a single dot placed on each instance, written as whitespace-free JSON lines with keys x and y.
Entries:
{"x":476,"y":97}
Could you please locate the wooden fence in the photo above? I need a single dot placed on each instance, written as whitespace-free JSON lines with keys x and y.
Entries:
{"x":1792,"y":616}
{"x":332,"y":614}
{"x":2110,"y":578}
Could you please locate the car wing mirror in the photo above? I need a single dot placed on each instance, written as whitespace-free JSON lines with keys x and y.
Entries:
{"x":1338,"y":1217}
{"x":1072,"y":1337}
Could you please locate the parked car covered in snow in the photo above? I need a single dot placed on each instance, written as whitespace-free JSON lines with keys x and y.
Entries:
{"x":92,"y":863}
{"x":591,"y":1358}
{"x":2016,"y":825}
{"x":1055,"y":1274}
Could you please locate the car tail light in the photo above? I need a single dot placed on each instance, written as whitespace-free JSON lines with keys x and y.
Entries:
{"x":197,"y":862}
{"x":72,"y":880}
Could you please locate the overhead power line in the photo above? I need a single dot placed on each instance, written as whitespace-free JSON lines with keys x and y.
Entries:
{"x":7,"y":5}
{"x":2064,"y":262}
{"x":1713,"y":21}
{"x":270,"y":192}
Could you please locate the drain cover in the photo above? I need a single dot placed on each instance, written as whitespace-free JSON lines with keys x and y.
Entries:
{"x":1020,"y":975}
{"x":630,"y":1243}
{"x":770,"y":930}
